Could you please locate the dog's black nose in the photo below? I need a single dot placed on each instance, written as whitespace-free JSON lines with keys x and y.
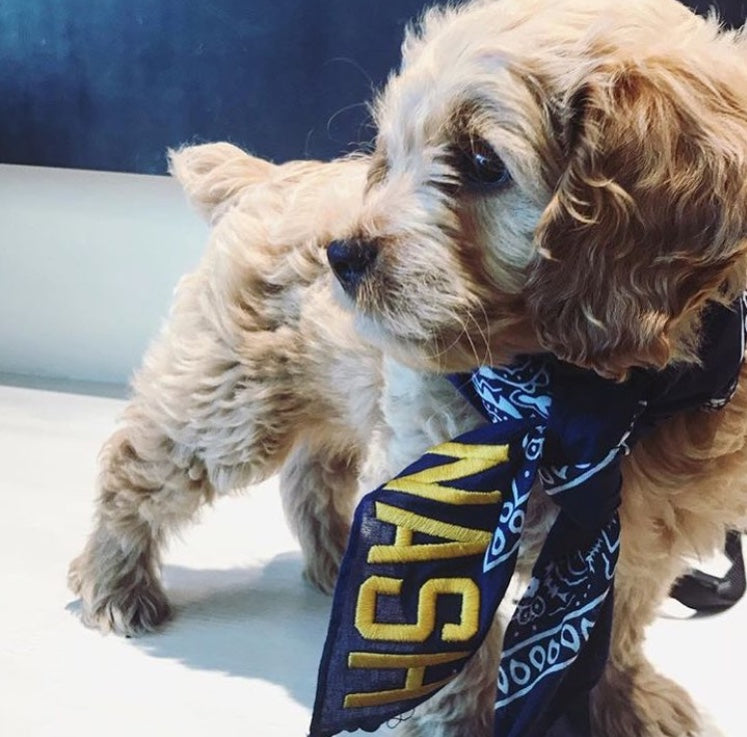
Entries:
{"x":351,"y":261}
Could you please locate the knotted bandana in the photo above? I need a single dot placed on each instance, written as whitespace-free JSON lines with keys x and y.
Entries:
{"x":432,"y":552}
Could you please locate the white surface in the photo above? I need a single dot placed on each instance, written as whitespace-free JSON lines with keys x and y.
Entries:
{"x":240,"y":657}
{"x":88,"y":263}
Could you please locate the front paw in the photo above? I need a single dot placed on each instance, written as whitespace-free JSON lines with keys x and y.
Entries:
{"x":639,"y":702}
{"x":129,"y":604}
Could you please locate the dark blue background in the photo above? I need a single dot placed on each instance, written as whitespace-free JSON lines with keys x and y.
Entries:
{"x":110,"y":84}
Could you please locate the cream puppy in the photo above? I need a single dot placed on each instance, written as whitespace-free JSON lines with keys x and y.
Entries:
{"x":566,"y":176}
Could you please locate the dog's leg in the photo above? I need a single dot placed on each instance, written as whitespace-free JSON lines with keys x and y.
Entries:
{"x":318,"y":486}
{"x":142,"y":493}
{"x":148,"y":488}
{"x":465,"y":707}
{"x":632,"y":698}
{"x":683,"y":485}
{"x":184,"y":441}
{"x":421,"y":411}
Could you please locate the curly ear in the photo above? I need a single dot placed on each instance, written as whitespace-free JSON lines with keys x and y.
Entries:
{"x":648,"y":220}
{"x":212,"y":174}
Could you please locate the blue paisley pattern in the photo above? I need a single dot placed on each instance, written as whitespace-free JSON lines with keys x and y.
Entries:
{"x":405,"y":620}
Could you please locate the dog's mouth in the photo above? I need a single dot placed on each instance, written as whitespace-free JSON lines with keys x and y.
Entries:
{"x":406,"y":334}
{"x":433,"y":354}
{"x":422,"y":315}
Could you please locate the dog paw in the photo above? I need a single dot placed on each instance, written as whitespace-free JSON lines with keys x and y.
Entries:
{"x":643,"y":703}
{"x":130,"y":605}
{"x":130,"y":613}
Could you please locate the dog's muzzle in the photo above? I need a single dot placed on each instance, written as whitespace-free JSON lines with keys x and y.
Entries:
{"x":351,"y":260}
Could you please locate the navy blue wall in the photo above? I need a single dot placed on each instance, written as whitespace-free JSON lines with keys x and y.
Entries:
{"x":109,"y":84}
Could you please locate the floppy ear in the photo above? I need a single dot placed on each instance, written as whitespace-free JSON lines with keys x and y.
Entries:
{"x":648,"y":220}
{"x":213,"y":173}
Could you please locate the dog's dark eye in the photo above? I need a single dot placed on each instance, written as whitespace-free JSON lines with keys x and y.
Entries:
{"x":480,"y":164}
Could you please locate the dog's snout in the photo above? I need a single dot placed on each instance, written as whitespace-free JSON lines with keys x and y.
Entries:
{"x":351,"y":260}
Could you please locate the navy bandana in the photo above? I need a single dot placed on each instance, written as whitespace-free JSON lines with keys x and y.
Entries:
{"x":432,"y":552}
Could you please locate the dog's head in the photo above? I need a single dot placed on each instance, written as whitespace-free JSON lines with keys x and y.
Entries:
{"x":554,"y":175}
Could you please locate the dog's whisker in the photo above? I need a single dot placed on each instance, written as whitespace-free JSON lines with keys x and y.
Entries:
{"x":339,"y":112}
{"x":353,"y":63}
{"x":468,"y":335}
{"x":484,"y":334}
{"x":488,"y":345}
{"x":436,"y":355}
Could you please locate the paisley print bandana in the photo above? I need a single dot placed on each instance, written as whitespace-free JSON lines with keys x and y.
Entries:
{"x":432,"y":551}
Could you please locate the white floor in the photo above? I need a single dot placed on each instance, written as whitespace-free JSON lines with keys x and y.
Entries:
{"x":240,"y":657}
